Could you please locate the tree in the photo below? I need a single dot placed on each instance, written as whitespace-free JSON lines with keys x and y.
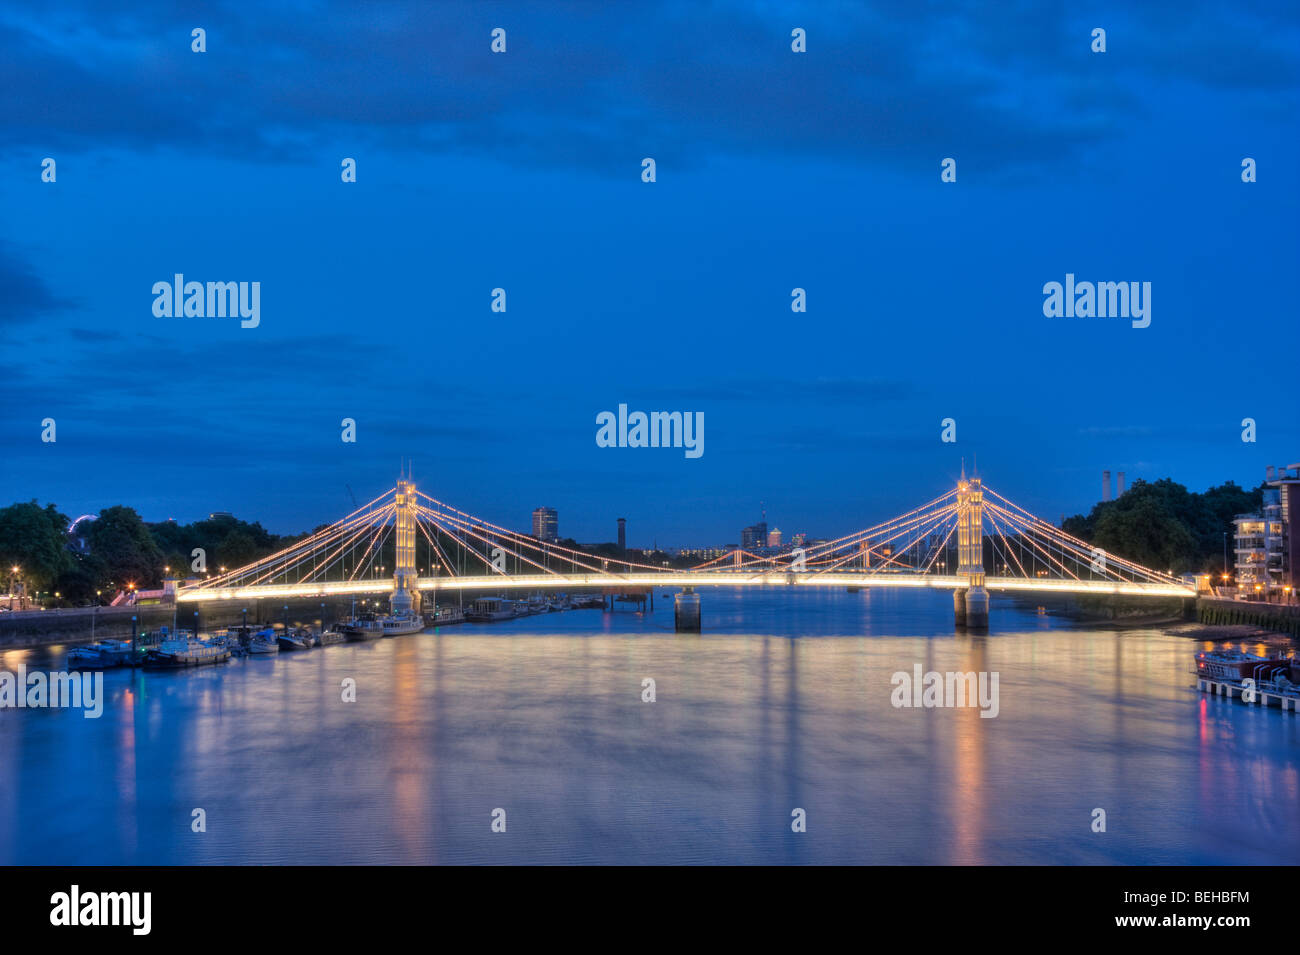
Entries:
{"x":227,"y":541}
{"x":34,"y":539}
{"x":122,"y":544}
{"x":79,"y":583}
{"x":1164,"y":526}
{"x":1147,"y":528}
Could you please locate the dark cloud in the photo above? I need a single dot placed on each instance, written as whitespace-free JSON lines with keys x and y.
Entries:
{"x":24,"y":296}
{"x":596,"y":86}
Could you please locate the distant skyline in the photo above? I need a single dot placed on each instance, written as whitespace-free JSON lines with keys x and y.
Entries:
{"x":522,"y":171}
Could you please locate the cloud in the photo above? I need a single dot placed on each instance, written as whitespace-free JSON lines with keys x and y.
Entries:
{"x":595,"y":86}
{"x":24,"y":296}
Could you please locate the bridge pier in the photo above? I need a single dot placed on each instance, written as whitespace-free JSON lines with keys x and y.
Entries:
{"x":977,"y":609}
{"x":686,"y":611}
{"x":971,"y":606}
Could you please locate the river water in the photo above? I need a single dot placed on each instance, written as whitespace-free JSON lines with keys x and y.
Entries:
{"x":783,"y":703}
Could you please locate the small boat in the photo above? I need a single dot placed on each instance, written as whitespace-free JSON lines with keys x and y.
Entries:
{"x":487,"y":609}
{"x":240,"y":636}
{"x":299,"y":638}
{"x":395,"y":625}
{"x":361,"y":627}
{"x":368,"y":626}
{"x":263,"y":643}
{"x":330,"y":637}
{"x":560,"y":602}
{"x":442,"y":616}
{"x":100,"y":656}
{"x":185,"y":651}
{"x":1238,"y":665}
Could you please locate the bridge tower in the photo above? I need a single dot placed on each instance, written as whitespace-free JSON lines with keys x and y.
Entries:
{"x":971,"y":605}
{"x":406,"y":576}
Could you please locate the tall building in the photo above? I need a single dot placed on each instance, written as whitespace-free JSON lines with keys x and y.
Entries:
{"x":1286,"y":480}
{"x":1265,"y":543}
{"x":1258,"y":548}
{"x":622,"y":533}
{"x":774,"y":537}
{"x":754,"y":536}
{"x":546,"y":524}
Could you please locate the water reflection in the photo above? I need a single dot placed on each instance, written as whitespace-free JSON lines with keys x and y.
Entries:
{"x":782,"y":703}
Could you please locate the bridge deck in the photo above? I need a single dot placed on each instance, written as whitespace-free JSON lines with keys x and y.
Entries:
{"x":719,"y":578}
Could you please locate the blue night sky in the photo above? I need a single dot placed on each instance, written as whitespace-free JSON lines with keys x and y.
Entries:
{"x":523,"y":171}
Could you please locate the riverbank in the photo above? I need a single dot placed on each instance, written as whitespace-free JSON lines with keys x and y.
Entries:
{"x":1275,"y":617}
{"x":1232,"y":633}
{"x":43,"y":628}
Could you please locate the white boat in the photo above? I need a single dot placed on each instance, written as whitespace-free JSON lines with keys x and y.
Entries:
{"x":368,"y":626}
{"x":487,"y":609}
{"x":263,"y":643}
{"x":185,"y":651}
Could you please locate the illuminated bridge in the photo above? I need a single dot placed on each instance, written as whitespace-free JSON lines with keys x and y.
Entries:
{"x":970,"y":540}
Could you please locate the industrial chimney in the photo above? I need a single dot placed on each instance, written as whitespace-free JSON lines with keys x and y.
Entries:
{"x":622,"y":533}
{"x":1119,"y":485}
{"x":1105,"y":485}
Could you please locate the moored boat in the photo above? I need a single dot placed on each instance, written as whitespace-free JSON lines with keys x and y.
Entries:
{"x":487,"y":609}
{"x":263,"y":643}
{"x":330,"y":637}
{"x":368,"y":626}
{"x":299,"y":638}
{"x":445,"y":615}
{"x":100,"y":656}
{"x":1226,"y":664}
{"x":185,"y":651}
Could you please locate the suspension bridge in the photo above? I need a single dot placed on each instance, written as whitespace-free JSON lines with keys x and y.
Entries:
{"x":970,"y":540}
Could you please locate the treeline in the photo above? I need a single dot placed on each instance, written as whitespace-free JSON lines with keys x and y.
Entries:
{"x":120,"y":549}
{"x":1164,"y":526}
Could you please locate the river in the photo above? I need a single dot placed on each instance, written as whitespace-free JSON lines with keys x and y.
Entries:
{"x":784,"y":703}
